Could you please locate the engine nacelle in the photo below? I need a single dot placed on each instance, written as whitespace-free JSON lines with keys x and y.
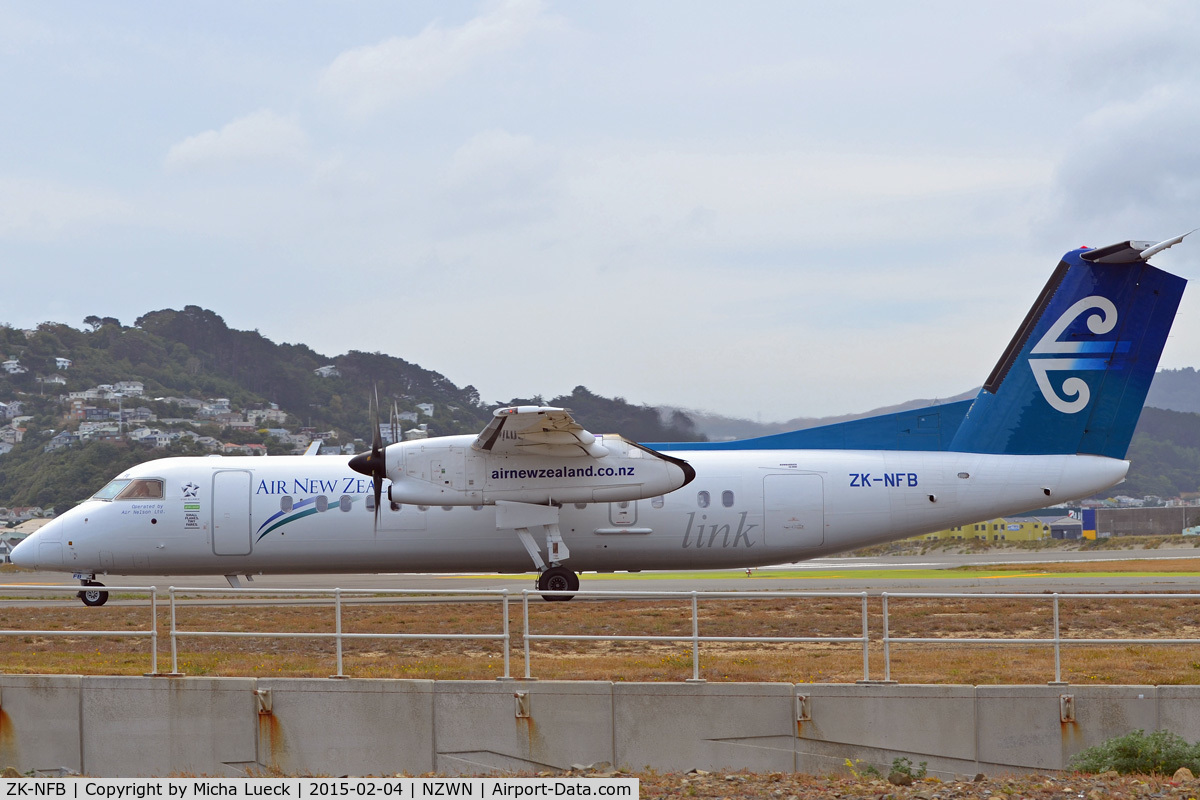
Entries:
{"x":447,"y":471}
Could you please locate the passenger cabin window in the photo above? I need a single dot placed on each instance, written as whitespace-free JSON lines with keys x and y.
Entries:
{"x":344,"y":502}
{"x":727,"y":498}
{"x":703,"y":499}
{"x":285,"y":503}
{"x":142,"y":489}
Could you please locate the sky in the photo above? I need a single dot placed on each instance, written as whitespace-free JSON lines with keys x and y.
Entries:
{"x":764,"y":209}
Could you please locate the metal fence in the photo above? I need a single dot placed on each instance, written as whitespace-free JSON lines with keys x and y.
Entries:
{"x":503,"y":636}
{"x":339,"y":636}
{"x":151,"y":632}
{"x":1057,"y":640}
{"x":695,"y":638}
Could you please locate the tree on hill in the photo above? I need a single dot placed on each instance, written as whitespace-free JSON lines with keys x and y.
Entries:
{"x":637,"y":423}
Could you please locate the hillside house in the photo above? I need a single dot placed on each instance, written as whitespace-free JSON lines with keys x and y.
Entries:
{"x":98,"y":432}
{"x":129,"y":388}
{"x":231,"y":449}
{"x":154,"y":436}
{"x":20,"y":514}
{"x":61,"y":439}
{"x":13,"y":367}
{"x":184,"y":402}
{"x":328,"y":371}
{"x":62,"y":363}
{"x":261,"y":416}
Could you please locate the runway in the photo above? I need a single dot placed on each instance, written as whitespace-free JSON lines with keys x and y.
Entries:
{"x":931,"y":572}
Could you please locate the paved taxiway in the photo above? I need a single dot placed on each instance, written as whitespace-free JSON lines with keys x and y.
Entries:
{"x":933,"y":572}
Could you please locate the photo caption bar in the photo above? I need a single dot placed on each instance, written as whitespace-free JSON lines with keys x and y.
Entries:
{"x":309,"y":788}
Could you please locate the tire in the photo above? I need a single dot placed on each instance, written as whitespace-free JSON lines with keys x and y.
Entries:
{"x":557,"y":579}
{"x":92,"y":595}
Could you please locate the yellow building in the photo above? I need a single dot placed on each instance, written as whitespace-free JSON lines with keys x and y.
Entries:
{"x":1015,"y":529}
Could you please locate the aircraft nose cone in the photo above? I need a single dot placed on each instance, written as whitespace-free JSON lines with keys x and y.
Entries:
{"x":25,"y":553}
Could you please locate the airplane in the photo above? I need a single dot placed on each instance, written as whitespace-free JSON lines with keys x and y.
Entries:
{"x":535,"y":490}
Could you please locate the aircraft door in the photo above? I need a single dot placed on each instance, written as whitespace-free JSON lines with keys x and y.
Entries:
{"x":231,"y":520}
{"x":623,"y":513}
{"x":794,"y":510}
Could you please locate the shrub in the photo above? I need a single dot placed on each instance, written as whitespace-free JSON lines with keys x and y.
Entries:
{"x":1161,"y":752}
{"x":905,"y":766}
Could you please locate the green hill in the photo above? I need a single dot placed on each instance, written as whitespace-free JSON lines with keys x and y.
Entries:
{"x":193,"y":353}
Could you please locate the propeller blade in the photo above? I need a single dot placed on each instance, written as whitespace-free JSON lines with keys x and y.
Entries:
{"x":373,"y":463}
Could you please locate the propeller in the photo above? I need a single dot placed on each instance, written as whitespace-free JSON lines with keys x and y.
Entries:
{"x":374,"y":463}
{"x":395,"y":422}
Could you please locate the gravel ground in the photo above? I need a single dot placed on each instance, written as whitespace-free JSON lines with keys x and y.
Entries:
{"x":795,"y":786}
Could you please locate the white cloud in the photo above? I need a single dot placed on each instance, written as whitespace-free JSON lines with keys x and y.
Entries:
{"x":499,"y":177}
{"x":40,"y":210}
{"x":263,"y":136}
{"x":368,"y":79}
{"x":1134,"y":165}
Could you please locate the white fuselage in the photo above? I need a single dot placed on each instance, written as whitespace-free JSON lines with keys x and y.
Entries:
{"x":307,"y":514}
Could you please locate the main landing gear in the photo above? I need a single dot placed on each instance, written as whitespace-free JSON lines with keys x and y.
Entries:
{"x":520,"y":517}
{"x":91,"y":594}
{"x":557,"y":579}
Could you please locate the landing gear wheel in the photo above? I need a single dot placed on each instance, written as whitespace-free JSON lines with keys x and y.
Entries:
{"x":557,"y":579}
{"x":92,"y":596}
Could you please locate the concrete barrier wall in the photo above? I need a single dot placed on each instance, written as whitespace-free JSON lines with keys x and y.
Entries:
{"x":131,"y":726}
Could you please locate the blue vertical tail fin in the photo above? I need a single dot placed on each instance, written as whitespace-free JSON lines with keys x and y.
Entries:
{"x":1075,"y":376}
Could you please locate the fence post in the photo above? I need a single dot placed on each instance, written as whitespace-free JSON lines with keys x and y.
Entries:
{"x":507,"y":638}
{"x":337,"y":605}
{"x":887,"y":647}
{"x":153,"y":630}
{"x":867,"y":640}
{"x":525,"y":628}
{"x":1057,"y":644}
{"x":174,"y":646}
{"x":695,"y":640}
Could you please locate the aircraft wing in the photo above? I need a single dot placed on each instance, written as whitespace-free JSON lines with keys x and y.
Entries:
{"x":537,"y":430}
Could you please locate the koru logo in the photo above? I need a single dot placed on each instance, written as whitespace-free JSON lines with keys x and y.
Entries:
{"x":1075,"y":393}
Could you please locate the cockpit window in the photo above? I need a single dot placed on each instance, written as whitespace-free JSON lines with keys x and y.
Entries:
{"x":111,"y":489}
{"x":141,"y":489}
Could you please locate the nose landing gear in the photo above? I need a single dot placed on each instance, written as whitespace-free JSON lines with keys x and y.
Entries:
{"x":92,"y":596}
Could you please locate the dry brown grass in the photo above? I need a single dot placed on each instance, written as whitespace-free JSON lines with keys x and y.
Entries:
{"x":626,"y":661}
{"x":1165,"y":565}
